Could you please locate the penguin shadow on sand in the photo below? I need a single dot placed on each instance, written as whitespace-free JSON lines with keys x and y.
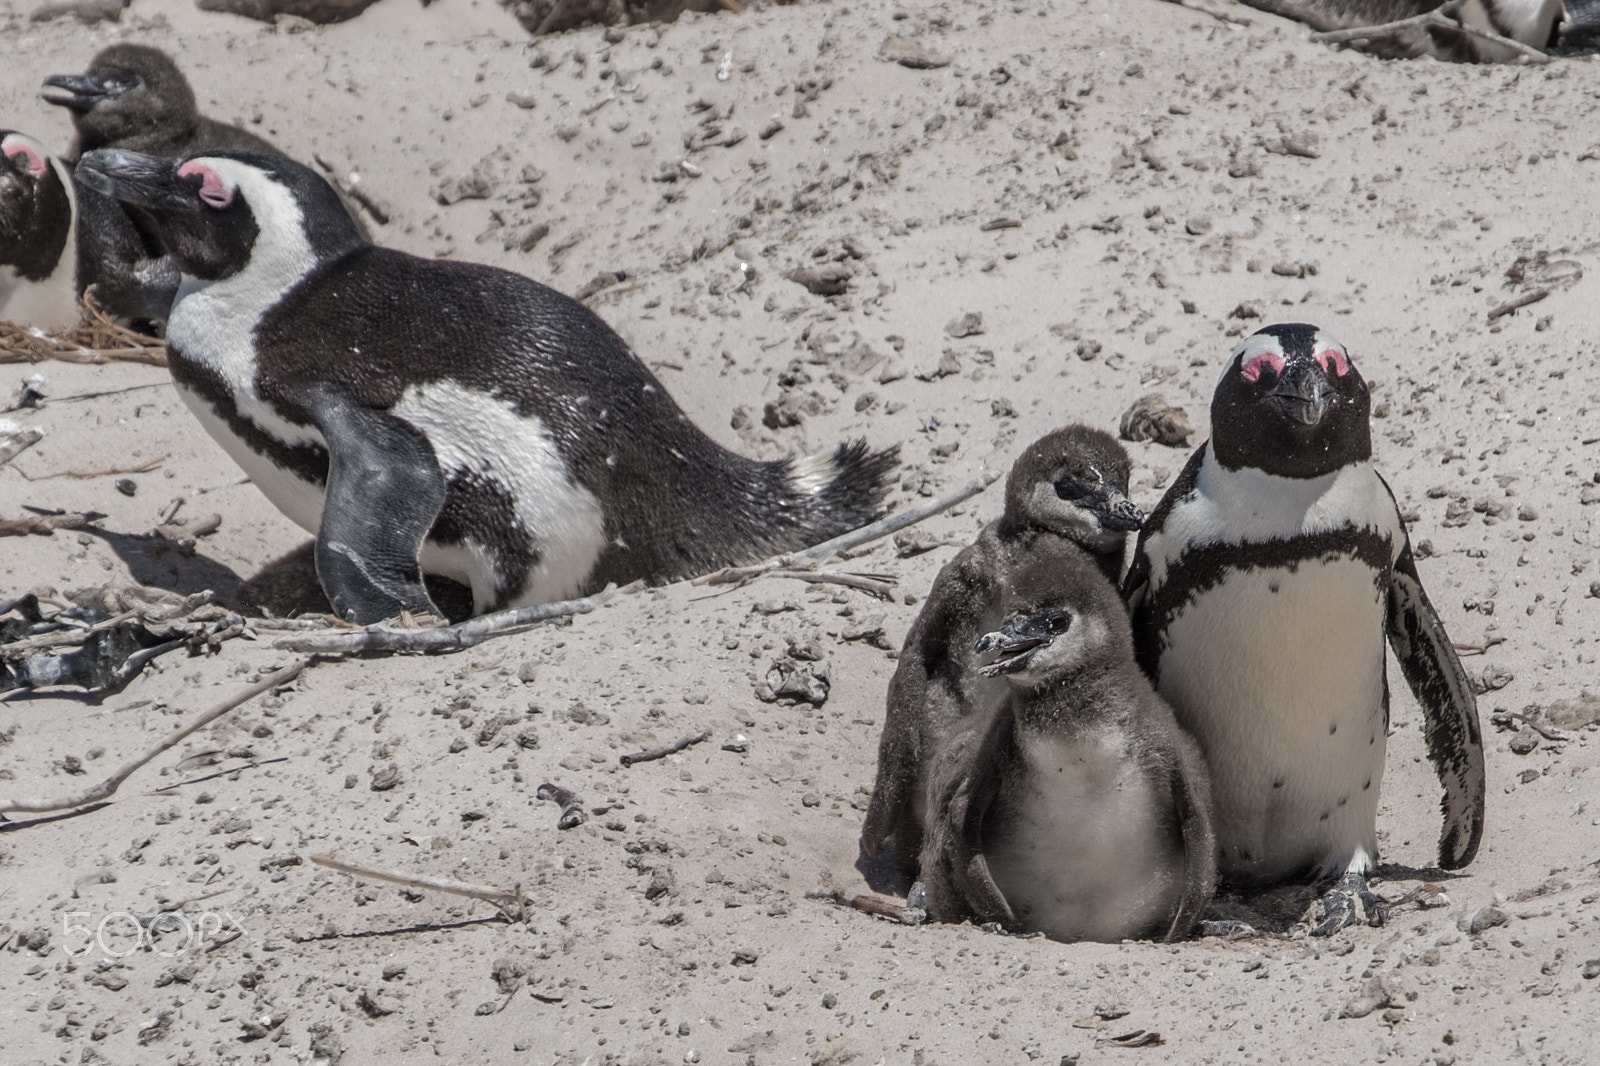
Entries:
{"x":1029,"y":778}
{"x":288,"y":586}
{"x":154,"y":561}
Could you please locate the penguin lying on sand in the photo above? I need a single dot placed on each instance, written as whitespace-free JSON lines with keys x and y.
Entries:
{"x":57,"y":238}
{"x":428,"y":416}
{"x":1262,"y":589}
{"x":1070,"y":485}
{"x":1070,"y":804}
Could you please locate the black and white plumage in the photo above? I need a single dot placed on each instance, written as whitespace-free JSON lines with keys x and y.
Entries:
{"x":1069,"y":802}
{"x":38,"y":235}
{"x":1262,"y":590}
{"x":1070,"y":485}
{"x":425,"y":416}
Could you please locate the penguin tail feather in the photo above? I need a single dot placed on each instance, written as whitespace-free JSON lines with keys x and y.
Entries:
{"x":841,"y":490}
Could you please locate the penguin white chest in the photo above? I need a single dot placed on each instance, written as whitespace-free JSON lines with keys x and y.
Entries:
{"x":1279,"y":674}
{"x":1083,"y":848}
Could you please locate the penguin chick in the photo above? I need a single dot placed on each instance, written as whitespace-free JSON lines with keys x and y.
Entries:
{"x":1071,"y":485}
{"x":1261,"y":591}
{"x":1072,"y":804}
{"x":135,"y":97}
{"x":440,"y":417}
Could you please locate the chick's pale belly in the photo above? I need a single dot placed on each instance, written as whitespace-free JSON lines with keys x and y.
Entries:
{"x":1279,"y":674}
{"x":1085,"y":850}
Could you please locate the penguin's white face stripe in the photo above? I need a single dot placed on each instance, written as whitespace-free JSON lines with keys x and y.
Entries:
{"x":213,"y":323}
{"x":1261,"y":352}
{"x":563,"y":519}
{"x":1251,"y":506}
{"x":16,"y":146}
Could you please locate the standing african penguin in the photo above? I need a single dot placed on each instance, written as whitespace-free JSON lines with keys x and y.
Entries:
{"x":1070,"y":485}
{"x":1069,"y":802}
{"x":1262,"y":589}
{"x":38,"y":233}
{"x":430,"y":416}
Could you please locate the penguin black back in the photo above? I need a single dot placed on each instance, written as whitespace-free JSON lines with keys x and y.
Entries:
{"x":527,"y":448}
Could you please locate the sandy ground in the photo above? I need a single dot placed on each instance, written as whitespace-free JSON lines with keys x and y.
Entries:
{"x":1168,"y":181}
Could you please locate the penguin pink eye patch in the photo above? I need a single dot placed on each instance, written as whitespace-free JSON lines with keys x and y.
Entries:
{"x":1256,"y":363}
{"x":212,"y":190}
{"x":35,"y":162}
{"x":1334,"y":362}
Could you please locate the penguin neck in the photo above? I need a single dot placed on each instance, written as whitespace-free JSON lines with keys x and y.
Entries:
{"x":38,"y":286}
{"x":1256,"y":497}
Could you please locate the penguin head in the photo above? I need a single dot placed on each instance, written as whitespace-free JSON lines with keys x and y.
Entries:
{"x":129,"y":91}
{"x":1074,"y":481}
{"x":218,"y":214}
{"x":31,"y":189}
{"x":1061,"y":616}
{"x":1291,"y":403}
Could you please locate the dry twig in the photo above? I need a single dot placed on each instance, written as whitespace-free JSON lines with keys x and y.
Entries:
{"x":1507,"y":717}
{"x":106,"y":788}
{"x":95,"y":339}
{"x":508,"y":901}
{"x":844,"y":542}
{"x":1442,"y":16}
{"x":45,"y":524}
{"x":1221,"y":16}
{"x":879,"y":585}
{"x":1521,"y":301}
{"x":83,"y":475}
{"x":652,"y":754}
{"x":883,"y":907}
{"x":384,"y":637}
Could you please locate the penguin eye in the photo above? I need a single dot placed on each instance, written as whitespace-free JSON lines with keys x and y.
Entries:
{"x":1059,"y":622}
{"x":1070,"y":488}
{"x":1254,"y":365}
{"x":1334,"y":362}
{"x":212,"y":190}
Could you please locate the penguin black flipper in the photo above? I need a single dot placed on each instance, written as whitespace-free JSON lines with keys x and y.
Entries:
{"x":970,"y":868}
{"x":1450,"y":711}
{"x":1136,"y":582}
{"x":926,"y":695}
{"x":384,"y":492}
{"x":133,"y":277}
{"x":1191,"y":801}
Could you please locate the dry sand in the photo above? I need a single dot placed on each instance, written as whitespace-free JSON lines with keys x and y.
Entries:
{"x":1170,"y":181}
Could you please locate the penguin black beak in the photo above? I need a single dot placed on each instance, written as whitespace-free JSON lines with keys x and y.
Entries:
{"x":1019,"y":639}
{"x":1117,"y":513}
{"x":138,"y":180}
{"x":1302,"y":393}
{"x":81,"y":92}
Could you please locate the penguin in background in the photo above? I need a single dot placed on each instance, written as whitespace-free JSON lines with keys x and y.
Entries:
{"x":1262,"y":590}
{"x":1070,"y":486}
{"x":448,"y":418}
{"x":57,"y":238}
{"x":1070,"y":802}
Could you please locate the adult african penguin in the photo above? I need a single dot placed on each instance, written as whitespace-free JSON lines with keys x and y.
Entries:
{"x":1069,"y":802}
{"x":1070,"y":485}
{"x":1262,"y":589}
{"x":427,"y":416}
{"x":57,"y":238}
{"x":38,"y":233}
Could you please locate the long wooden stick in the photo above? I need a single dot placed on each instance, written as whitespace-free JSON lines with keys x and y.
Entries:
{"x":106,"y":788}
{"x":881,"y":528}
{"x":446,"y":638}
{"x":506,"y":899}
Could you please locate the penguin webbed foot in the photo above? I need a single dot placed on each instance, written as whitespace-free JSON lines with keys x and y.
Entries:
{"x":1349,"y":901}
{"x":1226,"y":929}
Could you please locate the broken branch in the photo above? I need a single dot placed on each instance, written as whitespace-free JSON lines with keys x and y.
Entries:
{"x":881,"y":906}
{"x":105,"y":789}
{"x":508,"y":901}
{"x":384,"y":637}
{"x":652,"y":754}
